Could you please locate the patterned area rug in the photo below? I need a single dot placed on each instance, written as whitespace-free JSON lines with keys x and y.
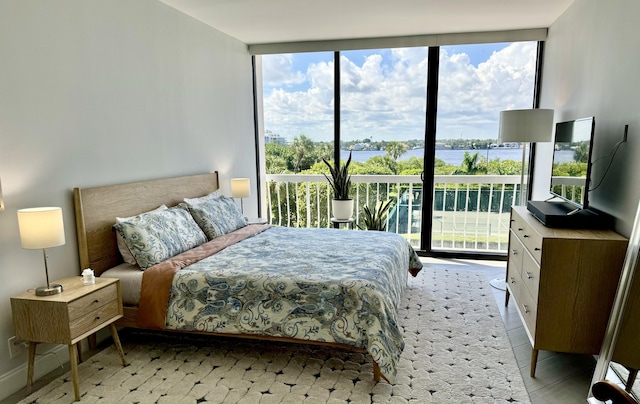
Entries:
{"x":457,"y":351}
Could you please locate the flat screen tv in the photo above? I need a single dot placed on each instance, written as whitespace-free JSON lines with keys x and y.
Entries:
{"x":571,"y":170}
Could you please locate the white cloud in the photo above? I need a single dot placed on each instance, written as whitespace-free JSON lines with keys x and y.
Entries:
{"x":279,"y":70}
{"x":383,"y":95}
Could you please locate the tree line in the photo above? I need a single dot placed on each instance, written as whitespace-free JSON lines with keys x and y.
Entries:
{"x":304,"y":156}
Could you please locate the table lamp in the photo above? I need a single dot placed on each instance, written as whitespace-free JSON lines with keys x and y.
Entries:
{"x":42,"y":228}
{"x":240,"y":188}
{"x":525,"y":126}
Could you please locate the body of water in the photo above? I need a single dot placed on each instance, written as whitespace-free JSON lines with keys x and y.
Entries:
{"x":453,"y":157}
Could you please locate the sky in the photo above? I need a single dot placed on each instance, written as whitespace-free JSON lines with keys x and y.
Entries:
{"x":383,"y":91}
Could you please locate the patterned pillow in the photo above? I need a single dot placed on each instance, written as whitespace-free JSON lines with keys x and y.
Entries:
{"x":122,"y":246}
{"x":194,"y":201}
{"x":217,"y":216}
{"x":157,"y":236}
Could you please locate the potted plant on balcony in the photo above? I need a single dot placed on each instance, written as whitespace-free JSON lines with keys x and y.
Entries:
{"x":340,"y":181}
{"x":376,"y":218}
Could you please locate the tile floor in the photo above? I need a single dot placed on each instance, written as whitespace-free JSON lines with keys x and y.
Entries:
{"x":560,"y":378}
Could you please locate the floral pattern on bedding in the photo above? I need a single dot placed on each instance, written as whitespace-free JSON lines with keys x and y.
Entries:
{"x":313,"y":284}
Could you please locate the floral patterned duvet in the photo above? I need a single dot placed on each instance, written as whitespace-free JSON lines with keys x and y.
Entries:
{"x":313,"y":284}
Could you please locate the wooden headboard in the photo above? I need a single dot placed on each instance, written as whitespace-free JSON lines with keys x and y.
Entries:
{"x":96,"y":210}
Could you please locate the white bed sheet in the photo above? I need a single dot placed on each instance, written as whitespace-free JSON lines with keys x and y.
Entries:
{"x":130,"y":282}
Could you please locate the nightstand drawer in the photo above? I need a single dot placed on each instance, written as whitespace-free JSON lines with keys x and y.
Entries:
{"x":92,"y":302}
{"x":98,"y":316}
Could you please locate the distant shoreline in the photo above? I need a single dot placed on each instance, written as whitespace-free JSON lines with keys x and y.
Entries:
{"x":449,"y":156}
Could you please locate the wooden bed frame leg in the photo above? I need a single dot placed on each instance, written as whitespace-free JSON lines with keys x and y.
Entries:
{"x":93,"y":341}
{"x":377,"y":374}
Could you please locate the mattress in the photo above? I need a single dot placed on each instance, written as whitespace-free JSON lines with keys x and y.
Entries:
{"x":130,"y":282}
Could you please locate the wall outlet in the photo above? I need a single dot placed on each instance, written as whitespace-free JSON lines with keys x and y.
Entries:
{"x":16,"y":347}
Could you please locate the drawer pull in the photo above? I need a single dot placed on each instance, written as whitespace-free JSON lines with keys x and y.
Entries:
{"x":529,"y":275}
{"x":97,"y":318}
{"x":526,"y":309}
{"x":520,"y":229}
{"x":96,"y":301}
{"x":513,"y":280}
{"x":514,"y":251}
{"x":536,"y":249}
{"x":526,"y":236}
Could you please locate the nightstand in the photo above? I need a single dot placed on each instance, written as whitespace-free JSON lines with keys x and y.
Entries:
{"x":67,"y":318}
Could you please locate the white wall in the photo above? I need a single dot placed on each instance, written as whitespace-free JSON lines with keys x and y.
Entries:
{"x":101,"y":92}
{"x":591,"y":64}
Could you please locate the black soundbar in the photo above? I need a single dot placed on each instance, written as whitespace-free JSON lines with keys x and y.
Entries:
{"x":566,"y":215}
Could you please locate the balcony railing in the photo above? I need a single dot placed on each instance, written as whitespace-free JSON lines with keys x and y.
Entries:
{"x":470,"y":212}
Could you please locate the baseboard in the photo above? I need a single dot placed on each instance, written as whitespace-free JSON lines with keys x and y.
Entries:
{"x":45,"y":363}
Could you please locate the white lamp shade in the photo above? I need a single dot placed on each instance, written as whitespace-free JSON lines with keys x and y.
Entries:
{"x":41,"y":227}
{"x":240,"y":188}
{"x":526,"y":125}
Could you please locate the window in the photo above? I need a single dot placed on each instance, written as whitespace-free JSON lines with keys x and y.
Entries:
{"x":382,"y":96}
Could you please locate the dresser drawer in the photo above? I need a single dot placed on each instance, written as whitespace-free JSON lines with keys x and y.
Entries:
{"x":517,"y":223}
{"x":87,"y":304}
{"x":514,"y":282}
{"x":98,"y":316}
{"x":516,"y":252}
{"x":527,"y":308}
{"x":530,"y":275}
{"x":529,"y":237}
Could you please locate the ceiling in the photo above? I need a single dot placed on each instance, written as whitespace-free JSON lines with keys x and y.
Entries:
{"x":275,"y":21}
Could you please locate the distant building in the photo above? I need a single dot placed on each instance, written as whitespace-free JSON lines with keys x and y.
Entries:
{"x":270,"y":137}
{"x":508,"y":145}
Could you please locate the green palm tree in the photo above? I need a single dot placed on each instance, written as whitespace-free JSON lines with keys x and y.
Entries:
{"x":303,"y":147}
{"x":469,"y":165}
{"x":395,"y":149}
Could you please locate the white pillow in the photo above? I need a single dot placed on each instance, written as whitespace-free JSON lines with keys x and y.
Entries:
{"x":195,"y":201}
{"x":122,"y":245}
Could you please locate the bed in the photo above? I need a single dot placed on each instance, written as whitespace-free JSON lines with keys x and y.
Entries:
{"x":319,"y":286}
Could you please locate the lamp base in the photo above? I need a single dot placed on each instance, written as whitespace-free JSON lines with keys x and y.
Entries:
{"x":48,"y":291}
{"x":499,"y":283}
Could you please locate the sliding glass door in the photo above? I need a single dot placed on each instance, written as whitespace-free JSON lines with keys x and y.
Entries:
{"x":475,"y":175}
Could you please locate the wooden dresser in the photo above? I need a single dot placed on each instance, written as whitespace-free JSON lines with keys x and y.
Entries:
{"x":563,"y":282}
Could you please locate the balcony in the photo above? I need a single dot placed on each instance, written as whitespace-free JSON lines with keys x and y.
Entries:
{"x":470,"y":212}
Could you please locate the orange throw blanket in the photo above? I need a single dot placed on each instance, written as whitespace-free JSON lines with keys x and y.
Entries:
{"x":156,"y":281}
